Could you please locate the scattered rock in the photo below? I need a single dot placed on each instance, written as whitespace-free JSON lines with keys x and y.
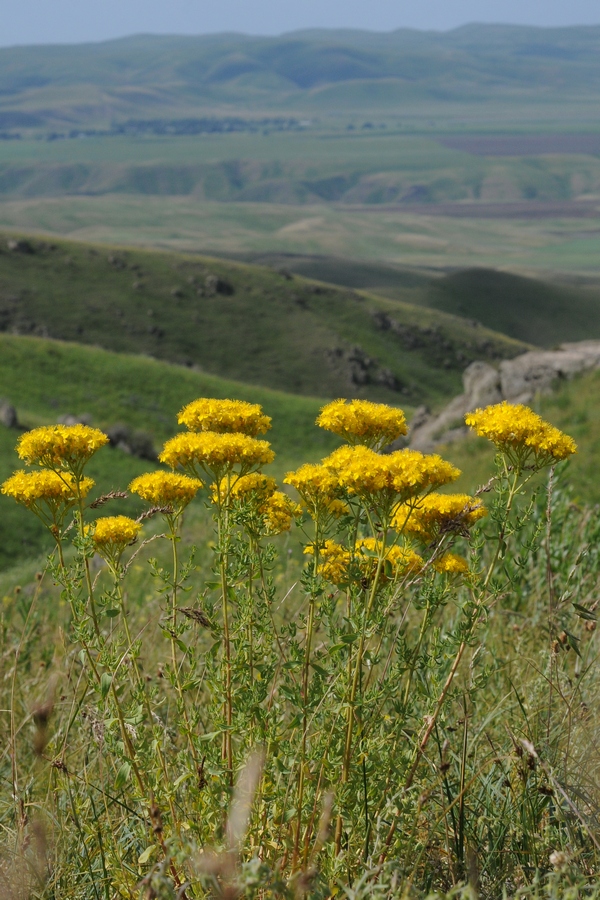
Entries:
{"x":20,"y":246}
{"x":135,"y":442}
{"x":216,"y":285}
{"x":70,"y":419}
{"x":8,"y":414}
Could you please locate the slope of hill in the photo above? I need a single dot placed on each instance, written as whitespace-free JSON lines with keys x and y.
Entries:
{"x":533,"y":310}
{"x":47,"y":379}
{"x":115,"y":80}
{"x":253,"y":324}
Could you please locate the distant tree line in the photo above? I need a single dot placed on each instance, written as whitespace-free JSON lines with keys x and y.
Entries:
{"x":207,"y":125}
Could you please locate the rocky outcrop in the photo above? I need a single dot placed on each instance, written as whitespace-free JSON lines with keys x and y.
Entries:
{"x":517,"y":380}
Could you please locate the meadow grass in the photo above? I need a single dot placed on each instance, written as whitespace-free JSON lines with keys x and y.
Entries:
{"x":401,"y":237}
{"x":423,"y":736}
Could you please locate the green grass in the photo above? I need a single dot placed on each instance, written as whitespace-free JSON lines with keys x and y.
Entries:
{"x":542,"y":246}
{"x":292,"y":335}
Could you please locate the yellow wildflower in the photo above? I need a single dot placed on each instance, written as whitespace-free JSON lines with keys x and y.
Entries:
{"x":318,"y":488}
{"x":216,"y":453}
{"x":387,"y":480}
{"x":279,"y":512}
{"x":452,"y":564}
{"x":363,"y":422}
{"x":224,"y":416}
{"x":397,"y":560}
{"x":48,"y":494}
{"x":516,"y":428}
{"x":437,"y":514}
{"x":166,"y":489}
{"x":338,"y":565}
{"x":254,"y":484}
{"x":61,"y":446}
{"x":112,"y":534}
{"x":334,"y":561}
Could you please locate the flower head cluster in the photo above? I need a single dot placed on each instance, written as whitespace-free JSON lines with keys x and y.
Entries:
{"x":49,"y":494}
{"x":390,"y":479}
{"x":334,"y":562}
{"x":319,"y":490}
{"x":438,"y":514}
{"x":255,"y":485}
{"x":279,"y":511}
{"x":112,"y":534}
{"x":216,"y":453}
{"x":363,"y":422}
{"x":516,"y":429}
{"x":397,"y":560}
{"x":339,"y":565}
{"x":452,"y":564}
{"x":61,"y":446}
{"x":166,"y":489}
{"x":224,"y":416}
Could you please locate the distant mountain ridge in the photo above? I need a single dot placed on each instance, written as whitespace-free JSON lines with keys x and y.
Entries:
{"x":108,"y":81}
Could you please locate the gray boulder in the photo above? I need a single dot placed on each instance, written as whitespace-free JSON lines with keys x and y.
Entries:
{"x":8,"y":414}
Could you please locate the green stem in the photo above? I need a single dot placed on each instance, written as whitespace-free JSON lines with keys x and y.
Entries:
{"x":223,"y":534}
{"x":355,"y":683}
{"x":305,"y":679}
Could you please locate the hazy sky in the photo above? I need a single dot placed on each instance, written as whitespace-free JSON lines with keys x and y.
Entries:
{"x":58,"y":21}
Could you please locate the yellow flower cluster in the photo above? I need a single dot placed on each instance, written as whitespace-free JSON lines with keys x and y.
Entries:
{"x":215,"y":453}
{"x":47,"y":486}
{"x":438,"y":513}
{"x":113,"y":533}
{"x":318,"y":488}
{"x":403,"y":474}
{"x":166,"y":489}
{"x":255,"y":483}
{"x":452,"y":564}
{"x":60,"y":446}
{"x":224,"y":416}
{"x":514,"y":427}
{"x":363,"y":422}
{"x":335,"y":561}
{"x":400,"y":559}
{"x":279,"y":512}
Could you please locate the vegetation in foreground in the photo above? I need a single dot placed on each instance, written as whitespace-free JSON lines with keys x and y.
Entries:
{"x":411,"y":711}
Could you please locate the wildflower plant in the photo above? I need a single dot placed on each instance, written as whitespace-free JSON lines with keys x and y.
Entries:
{"x":340,"y":684}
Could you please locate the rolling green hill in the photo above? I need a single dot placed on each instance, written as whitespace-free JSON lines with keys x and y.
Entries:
{"x":535,"y":310}
{"x":142,"y":76}
{"x":248,"y":323}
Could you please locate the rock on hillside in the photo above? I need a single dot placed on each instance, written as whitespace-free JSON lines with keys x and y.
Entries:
{"x":516,"y":380}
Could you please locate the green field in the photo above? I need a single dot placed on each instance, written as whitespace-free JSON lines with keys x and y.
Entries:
{"x":398,"y":236}
{"x":237,"y":321}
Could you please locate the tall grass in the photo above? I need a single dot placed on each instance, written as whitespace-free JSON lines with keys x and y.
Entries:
{"x":409,"y":706}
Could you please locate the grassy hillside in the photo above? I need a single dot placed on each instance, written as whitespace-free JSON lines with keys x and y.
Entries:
{"x":534,"y":310}
{"x":145,"y":75}
{"x":47,"y":379}
{"x":237,"y":321}
{"x":321,"y":163}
